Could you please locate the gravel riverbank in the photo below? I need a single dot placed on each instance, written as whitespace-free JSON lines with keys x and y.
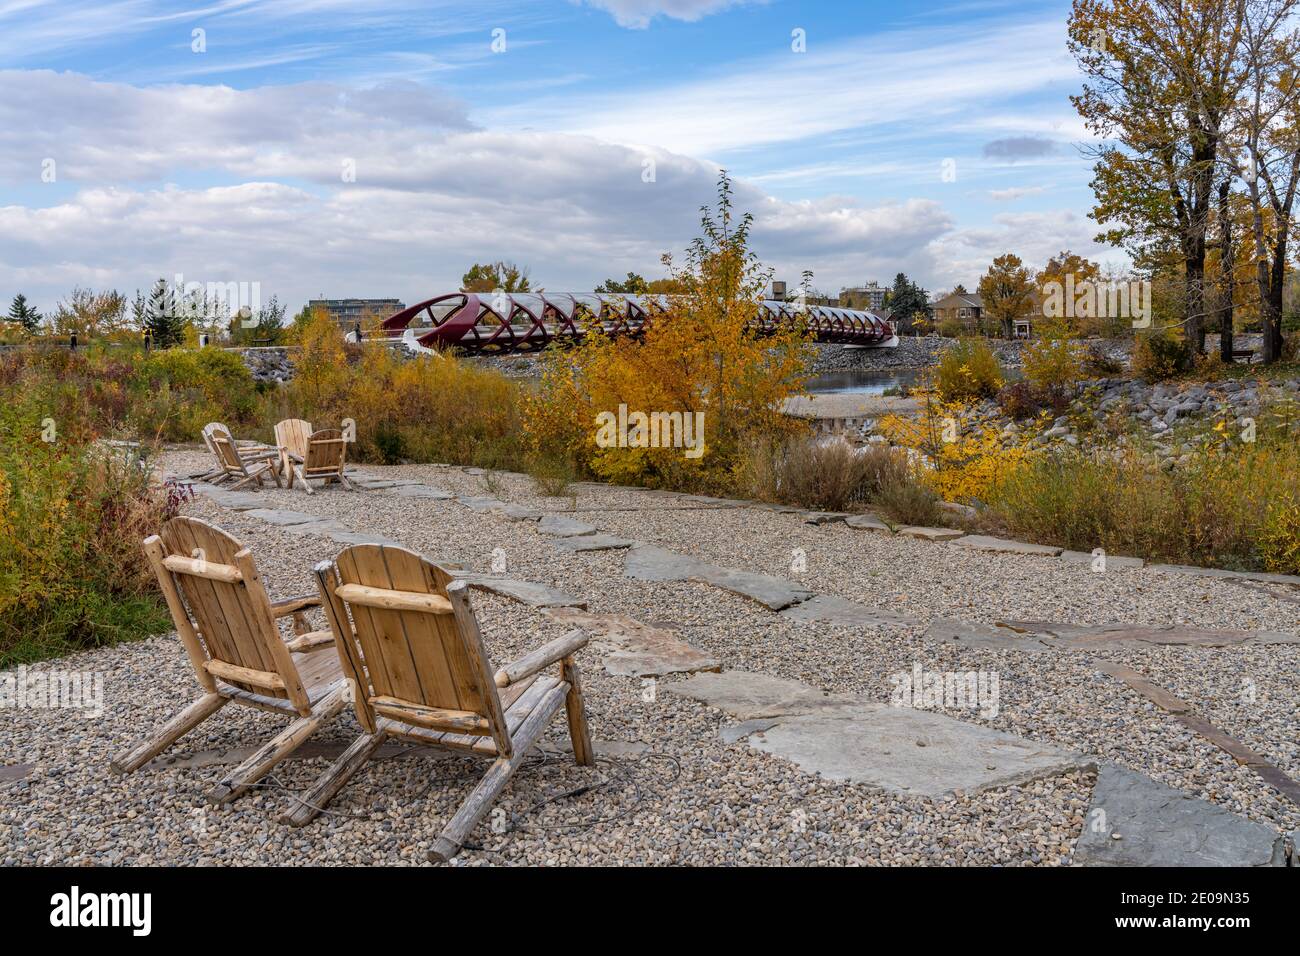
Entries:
{"x":674,"y":792}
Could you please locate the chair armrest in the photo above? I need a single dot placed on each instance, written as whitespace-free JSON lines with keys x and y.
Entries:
{"x":303,"y":602}
{"x":543,"y":656}
{"x":312,"y":641}
{"x":251,"y":455}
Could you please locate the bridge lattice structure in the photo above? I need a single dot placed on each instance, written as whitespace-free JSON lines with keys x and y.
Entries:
{"x":524,"y":321}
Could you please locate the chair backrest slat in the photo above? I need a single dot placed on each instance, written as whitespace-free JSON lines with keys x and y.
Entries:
{"x":415,"y":655}
{"x":231,"y":611}
{"x":292,"y":436}
{"x":326,"y":451}
{"x":227,"y":453}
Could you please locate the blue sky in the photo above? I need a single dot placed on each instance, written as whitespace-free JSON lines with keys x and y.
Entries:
{"x":923,"y":137}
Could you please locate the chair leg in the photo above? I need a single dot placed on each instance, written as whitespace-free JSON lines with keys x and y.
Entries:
{"x":474,"y":809}
{"x":309,"y":804}
{"x":257,"y":766}
{"x":169,"y":733}
{"x":480,"y":801}
{"x":345,"y":483}
{"x":303,"y":478}
{"x":576,"y":710}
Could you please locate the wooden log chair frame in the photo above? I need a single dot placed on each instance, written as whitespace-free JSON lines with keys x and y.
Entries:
{"x":245,"y":471}
{"x":227,"y":624}
{"x":220,"y":473}
{"x":291,"y":437}
{"x":407,"y":637}
{"x":327,"y":452}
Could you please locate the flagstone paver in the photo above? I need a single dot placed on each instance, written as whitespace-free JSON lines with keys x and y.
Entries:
{"x":1136,"y":821}
{"x":423,"y":491}
{"x":983,"y":542}
{"x":831,"y":609}
{"x":930,"y":534}
{"x":1113,"y":561}
{"x":967,"y":634}
{"x":868,"y":522}
{"x":633,"y":648}
{"x":916,"y":752}
{"x":1083,"y":636}
{"x":531,"y":593}
{"x":749,"y":695}
{"x":649,"y":563}
{"x":562,"y":526}
{"x":593,"y":542}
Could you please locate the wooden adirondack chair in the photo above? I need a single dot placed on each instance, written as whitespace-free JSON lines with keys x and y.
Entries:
{"x":228,"y":626}
{"x":292,"y":436}
{"x":412,"y":646}
{"x":247,"y":454}
{"x":326,"y":454}
{"x":245,"y":471}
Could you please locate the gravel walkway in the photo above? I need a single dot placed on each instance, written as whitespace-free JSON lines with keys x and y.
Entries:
{"x":674,"y":792}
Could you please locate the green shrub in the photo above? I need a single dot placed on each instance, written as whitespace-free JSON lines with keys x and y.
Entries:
{"x":832,"y":475}
{"x":178,"y":391}
{"x":1053,"y":363}
{"x":1098,"y":364}
{"x":552,"y":474}
{"x":909,"y":500}
{"x":1160,"y":355}
{"x":968,"y":371}
{"x":72,"y":517}
{"x":1234,"y":508}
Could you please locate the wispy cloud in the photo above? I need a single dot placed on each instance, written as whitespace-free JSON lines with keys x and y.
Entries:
{"x":637,"y":14}
{"x":917,"y":78}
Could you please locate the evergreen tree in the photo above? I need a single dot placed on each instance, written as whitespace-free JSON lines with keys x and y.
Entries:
{"x":907,"y":302}
{"x":23,"y":314}
{"x":161,"y":321}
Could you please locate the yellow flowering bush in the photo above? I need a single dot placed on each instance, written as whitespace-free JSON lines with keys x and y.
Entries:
{"x":968,"y":371}
{"x":962,"y":461}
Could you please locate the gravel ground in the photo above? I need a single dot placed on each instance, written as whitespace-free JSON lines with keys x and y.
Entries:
{"x":682,"y":797}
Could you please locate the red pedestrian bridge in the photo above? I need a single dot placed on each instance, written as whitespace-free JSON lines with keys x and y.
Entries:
{"x":524,"y":321}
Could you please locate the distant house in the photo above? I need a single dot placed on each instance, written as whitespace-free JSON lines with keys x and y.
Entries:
{"x":968,"y":309}
{"x":351,"y":312}
{"x":964,"y":307}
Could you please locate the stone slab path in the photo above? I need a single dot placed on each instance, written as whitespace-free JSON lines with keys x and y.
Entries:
{"x":1136,"y":821}
{"x":649,"y":563}
{"x":897,"y":749}
{"x":903,"y":750}
{"x":633,"y":648}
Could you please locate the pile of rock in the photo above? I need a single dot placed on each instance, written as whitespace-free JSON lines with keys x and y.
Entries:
{"x":268,"y":364}
{"x":1155,"y":408}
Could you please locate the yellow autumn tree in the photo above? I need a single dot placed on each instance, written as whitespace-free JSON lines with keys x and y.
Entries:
{"x":320,"y":366}
{"x":704,"y":363}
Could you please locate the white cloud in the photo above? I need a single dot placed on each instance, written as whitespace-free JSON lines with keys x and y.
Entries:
{"x":918,"y":79}
{"x":100,"y":132}
{"x":637,"y":14}
{"x":964,"y":254}
{"x":1015,"y":192}
{"x":433,"y":194}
